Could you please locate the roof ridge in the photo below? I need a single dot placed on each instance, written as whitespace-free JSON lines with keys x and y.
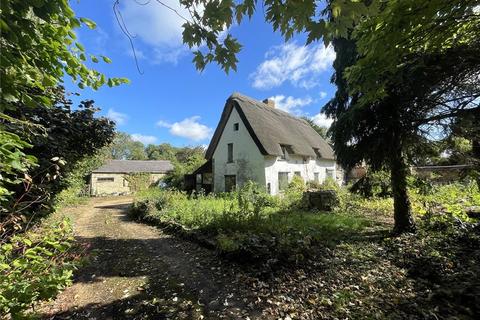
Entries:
{"x":261,"y":104}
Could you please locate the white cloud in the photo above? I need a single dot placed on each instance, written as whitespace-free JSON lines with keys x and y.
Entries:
{"x":322,"y":120}
{"x":158,"y":27}
{"x":290,"y":104}
{"x":300,"y":65}
{"x":118,"y":117}
{"x":323,"y":94}
{"x":188,"y":128}
{"x":143,"y":138}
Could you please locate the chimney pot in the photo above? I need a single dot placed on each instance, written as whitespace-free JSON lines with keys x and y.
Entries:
{"x":269,"y":102}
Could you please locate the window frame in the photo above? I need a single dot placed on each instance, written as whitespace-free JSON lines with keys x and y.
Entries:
{"x":105,"y":179}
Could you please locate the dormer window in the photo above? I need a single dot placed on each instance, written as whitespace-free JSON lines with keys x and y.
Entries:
{"x":286,"y":150}
{"x":235,"y":126}
{"x":317,"y":153}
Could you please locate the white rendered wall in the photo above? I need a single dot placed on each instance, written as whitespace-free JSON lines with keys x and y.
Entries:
{"x":248,"y":162}
{"x":307,"y":168}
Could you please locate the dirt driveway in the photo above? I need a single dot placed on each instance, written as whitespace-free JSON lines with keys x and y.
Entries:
{"x":138,"y":272}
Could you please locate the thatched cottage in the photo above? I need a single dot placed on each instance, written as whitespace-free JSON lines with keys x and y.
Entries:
{"x":112,"y":178}
{"x":255,"y":141}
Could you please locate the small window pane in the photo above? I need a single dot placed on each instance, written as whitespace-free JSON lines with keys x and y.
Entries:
{"x":230,"y":152}
{"x":235,"y":126}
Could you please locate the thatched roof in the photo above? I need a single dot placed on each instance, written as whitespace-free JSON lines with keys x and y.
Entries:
{"x":135,"y":166}
{"x":270,"y":128}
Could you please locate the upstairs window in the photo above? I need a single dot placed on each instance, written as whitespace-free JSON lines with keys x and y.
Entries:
{"x":235,"y":126}
{"x":230,"y":152}
{"x":286,"y":150}
{"x":317,"y":153}
{"x":106,"y":179}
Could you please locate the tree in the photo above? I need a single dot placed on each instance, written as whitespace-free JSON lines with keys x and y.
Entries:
{"x":164,"y":151}
{"x":123,"y":147}
{"x":401,"y":67}
{"x":59,"y":139}
{"x":39,"y":48}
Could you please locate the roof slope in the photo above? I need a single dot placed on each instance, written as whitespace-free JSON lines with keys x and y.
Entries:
{"x":135,"y":166}
{"x":270,"y":128}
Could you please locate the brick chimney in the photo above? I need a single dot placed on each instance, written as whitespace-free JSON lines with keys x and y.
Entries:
{"x":269,"y":102}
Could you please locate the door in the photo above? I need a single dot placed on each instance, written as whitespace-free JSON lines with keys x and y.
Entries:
{"x":230,"y":183}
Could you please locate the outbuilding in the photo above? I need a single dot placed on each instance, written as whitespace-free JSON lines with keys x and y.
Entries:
{"x":113,"y":178}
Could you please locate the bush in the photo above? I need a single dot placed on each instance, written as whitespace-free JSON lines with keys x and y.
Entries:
{"x":292,"y":196}
{"x":35,"y":267}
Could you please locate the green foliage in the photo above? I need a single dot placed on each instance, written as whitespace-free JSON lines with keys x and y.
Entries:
{"x":77,"y":181}
{"x":292,"y":196}
{"x":373,"y":184}
{"x":123,"y":147}
{"x":39,"y":48}
{"x":35,"y":267}
{"x":208,"y":24}
{"x":138,"y":181}
{"x":252,"y":199}
{"x":58,"y":138}
{"x":452,"y":199}
{"x":247,"y":224}
{"x":329,"y":184}
{"x":13,"y":163}
{"x":186,"y":161}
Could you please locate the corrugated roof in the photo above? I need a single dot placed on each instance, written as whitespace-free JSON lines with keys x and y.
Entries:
{"x":270,"y":128}
{"x":135,"y":166}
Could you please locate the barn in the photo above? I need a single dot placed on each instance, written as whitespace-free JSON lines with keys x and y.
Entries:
{"x":113,"y":177}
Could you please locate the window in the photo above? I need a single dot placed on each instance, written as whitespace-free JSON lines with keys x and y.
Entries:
{"x":230,"y":152}
{"x":106,"y":179}
{"x":235,"y":126}
{"x":329,"y":173}
{"x":316,"y":177}
{"x":317,"y":153}
{"x":269,"y":188}
{"x":282,"y":180}
{"x":230,"y":183}
{"x":125,"y":182}
{"x":286,"y":150}
{"x":298,"y":173}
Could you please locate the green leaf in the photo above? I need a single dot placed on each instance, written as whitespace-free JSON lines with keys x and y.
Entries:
{"x":106,"y":59}
{"x":89,"y":23}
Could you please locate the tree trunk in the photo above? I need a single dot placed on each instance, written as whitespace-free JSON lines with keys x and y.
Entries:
{"x":402,"y":209}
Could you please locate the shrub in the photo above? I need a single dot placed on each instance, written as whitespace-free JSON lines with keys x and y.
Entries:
{"x":35,"y":267}
{"x":253,"y":199}
{"x":329,"y":184}
{"x":292,"y":197}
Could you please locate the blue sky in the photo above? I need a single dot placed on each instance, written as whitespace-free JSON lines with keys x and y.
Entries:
{"x":172,"y":101}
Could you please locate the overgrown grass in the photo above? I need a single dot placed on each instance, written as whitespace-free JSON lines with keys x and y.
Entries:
{"x":249,"y":223}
